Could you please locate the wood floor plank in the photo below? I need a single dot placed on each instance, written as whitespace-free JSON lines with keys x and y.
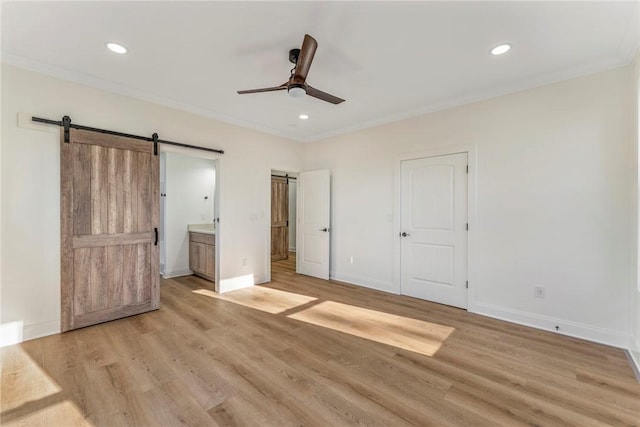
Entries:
{"x":146,"y":371}
{"x":301,"y":351}
{"x":238,"y":411}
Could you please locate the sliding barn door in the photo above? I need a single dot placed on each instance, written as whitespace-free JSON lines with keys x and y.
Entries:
{"x":109,"y":219}
{"x":279,"y":218}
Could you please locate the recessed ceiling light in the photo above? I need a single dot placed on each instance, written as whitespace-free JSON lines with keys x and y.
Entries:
{"x":499,"y":50}
{"x":117,"y":48}
{"x":303,"y":116}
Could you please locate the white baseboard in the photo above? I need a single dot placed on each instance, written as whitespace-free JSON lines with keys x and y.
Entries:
{"x":566,"y":327}
{"x":41,"y":329}
{"x":634,"y":360}
{"x":378,"y":285}
{"x":16,"y":332}
{"x":292,"y":249}
{"x":235,"y":283}
{"x":177,"y":273}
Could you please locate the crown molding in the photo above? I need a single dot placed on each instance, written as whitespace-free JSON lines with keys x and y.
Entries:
{"x":494,"y":92}
{"x":108,"y":86}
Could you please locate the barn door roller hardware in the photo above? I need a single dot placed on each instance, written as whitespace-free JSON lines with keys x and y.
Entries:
{"x":66,"y":124}
{"x":154,"y":137}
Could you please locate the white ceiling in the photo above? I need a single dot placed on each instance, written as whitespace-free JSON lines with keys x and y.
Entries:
{"x":389,"y":60}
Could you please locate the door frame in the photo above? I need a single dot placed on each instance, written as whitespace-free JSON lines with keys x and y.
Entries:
{"x":267,"y":236}
{"x":471,"y":151}
{"x":217,"y":196}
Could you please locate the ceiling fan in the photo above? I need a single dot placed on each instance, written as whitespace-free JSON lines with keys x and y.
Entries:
{"x":296,"y":85}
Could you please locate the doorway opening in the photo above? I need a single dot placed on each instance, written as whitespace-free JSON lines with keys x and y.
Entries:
{"x":188,"y":206}
{"x":284,"y":187}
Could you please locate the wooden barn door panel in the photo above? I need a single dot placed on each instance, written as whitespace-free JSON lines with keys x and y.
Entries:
{"x":109,"y":210}
{"x":279,"y":218}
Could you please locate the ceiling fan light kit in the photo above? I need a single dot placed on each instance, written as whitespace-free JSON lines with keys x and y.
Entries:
{"x":297,"y":85}
{"x":296,"y":91}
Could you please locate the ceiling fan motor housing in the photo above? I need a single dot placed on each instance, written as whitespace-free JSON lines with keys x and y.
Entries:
{"x":293,"y":55}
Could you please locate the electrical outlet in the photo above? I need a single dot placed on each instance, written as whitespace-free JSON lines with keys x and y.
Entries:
{"x":538,"y":291}
{"x":350,"y":260}
{"x":244,"y":262}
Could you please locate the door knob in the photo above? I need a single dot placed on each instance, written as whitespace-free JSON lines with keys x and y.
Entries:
{"x":324,"y":229}
{"x":403,"y":234}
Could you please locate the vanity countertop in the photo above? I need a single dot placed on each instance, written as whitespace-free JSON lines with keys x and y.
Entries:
{"x":201,"y":228}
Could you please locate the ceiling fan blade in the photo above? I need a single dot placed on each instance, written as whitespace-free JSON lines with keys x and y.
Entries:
{"x":266,"y":89}
{"x":322,"y":95}
{"x":305,"y":58}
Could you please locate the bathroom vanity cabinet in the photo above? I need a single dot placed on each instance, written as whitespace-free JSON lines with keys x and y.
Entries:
{"x":202,"y":255}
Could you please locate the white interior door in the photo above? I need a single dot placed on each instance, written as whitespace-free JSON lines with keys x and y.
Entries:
{"x":314,"y":194}
{"x":434,"y":229}
{"x":216,"y":224}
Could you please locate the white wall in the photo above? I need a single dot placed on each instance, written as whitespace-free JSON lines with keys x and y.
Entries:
{"x":30,"y":226}
{"x":188,"y":181}
{"x":554,"y":174}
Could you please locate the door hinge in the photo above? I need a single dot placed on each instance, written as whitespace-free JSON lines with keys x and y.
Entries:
{"x":467,"y":226}
{"x":287,"y":223}
{"x":467,"y":284}
{"x":467,"y":168}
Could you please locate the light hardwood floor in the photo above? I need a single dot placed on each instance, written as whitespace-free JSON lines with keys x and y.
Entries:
{"x":301,"y":351}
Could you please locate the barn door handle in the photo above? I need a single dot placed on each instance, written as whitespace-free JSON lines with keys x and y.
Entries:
{"x":155,"y":232}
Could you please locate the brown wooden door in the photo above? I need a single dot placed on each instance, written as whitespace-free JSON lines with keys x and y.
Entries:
{"x":279,"y":218}
{"x":109,"y":214}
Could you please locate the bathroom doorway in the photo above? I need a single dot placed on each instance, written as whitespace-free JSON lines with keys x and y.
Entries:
{"x":188,"y":210}
{"x":283,"y":222}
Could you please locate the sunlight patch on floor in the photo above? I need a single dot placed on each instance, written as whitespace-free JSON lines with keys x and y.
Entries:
{"x":30,"y":396}
{"x":403,"y":332}
{"x":66,"y":413}
{"x":399,"y":331}
{"x":49,"y":411}
{"x":23,"y":379}
{"x":264,"y":299}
